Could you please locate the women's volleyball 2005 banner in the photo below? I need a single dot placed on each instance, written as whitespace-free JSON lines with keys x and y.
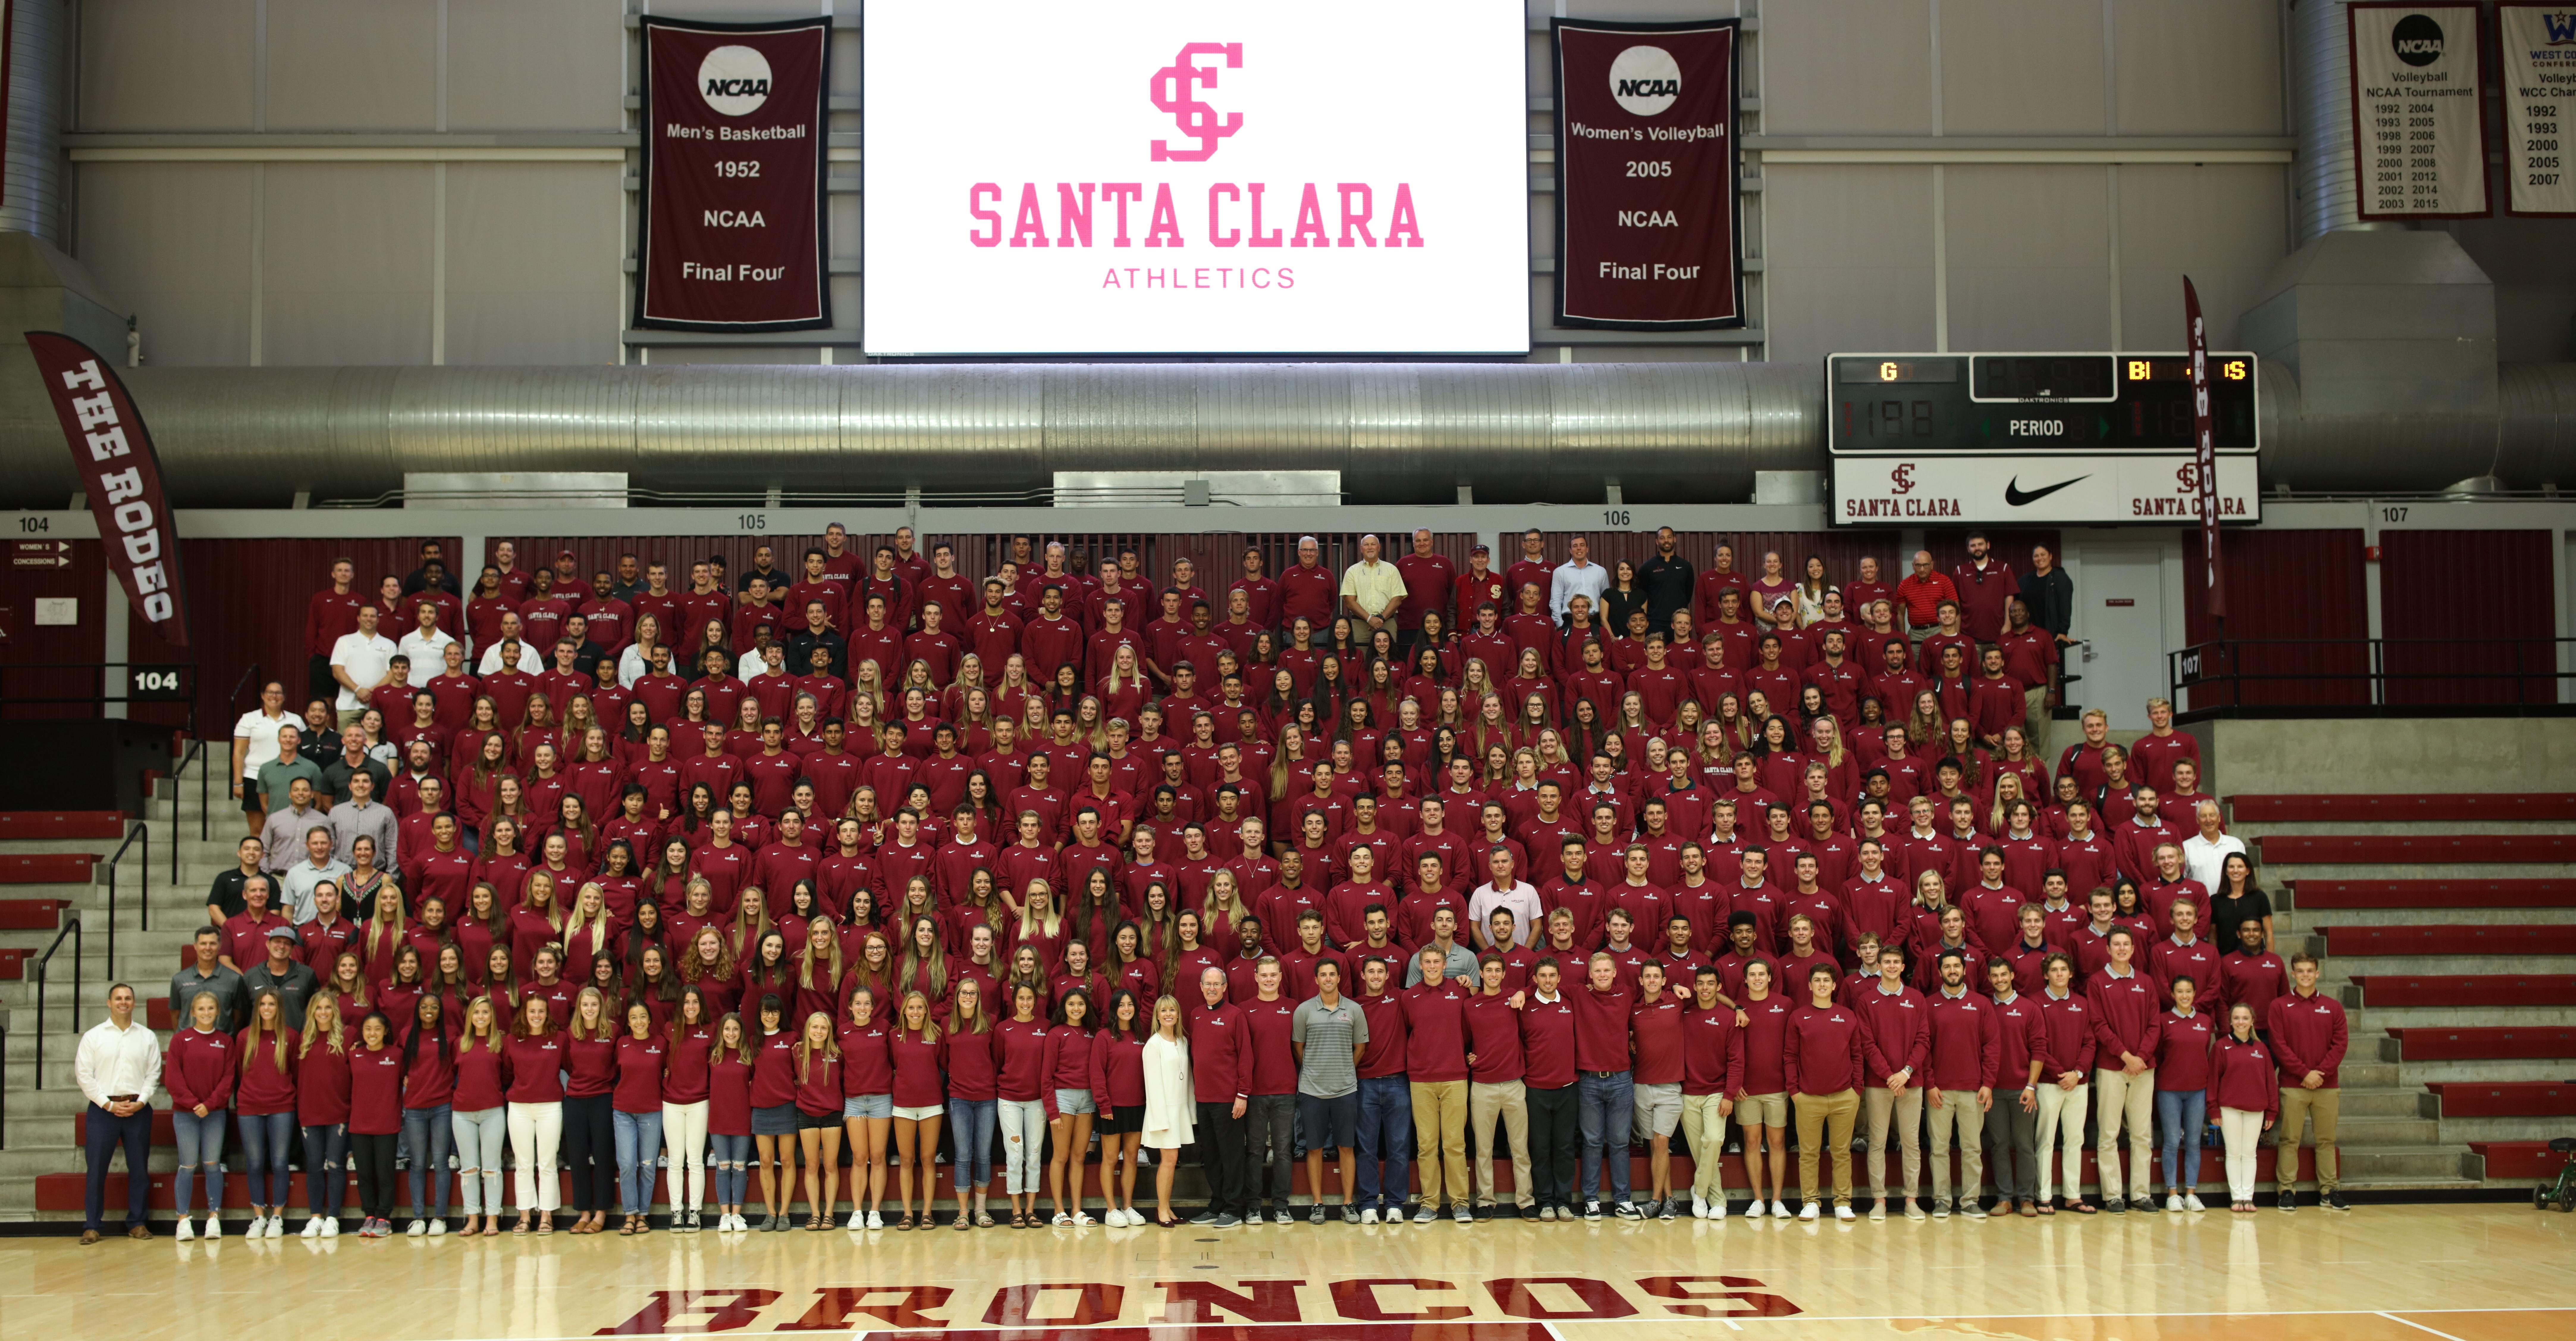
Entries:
{"x":731,"y":236}
{"x":1647,"y":214}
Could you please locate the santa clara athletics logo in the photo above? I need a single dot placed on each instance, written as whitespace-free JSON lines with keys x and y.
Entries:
{"x":1171,"y":88}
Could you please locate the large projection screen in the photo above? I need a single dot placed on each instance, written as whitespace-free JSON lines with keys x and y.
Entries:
{"x":1291,"y":180}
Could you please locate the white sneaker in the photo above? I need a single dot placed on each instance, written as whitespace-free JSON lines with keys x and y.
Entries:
{"x":1779,"y":1210}
{"x":1754,"y":1211}
{"x":418,"y":1229}
{"x":214,"y":1226}
{"x":2173,"y":1204}
{"x":1699,"y":1207}
{"x":330,"y":1226}
{"x":1808,"y":1211}
{"x":858,"y":1220}
{"x":312,"y":1228}
{"x":277,"y":1226}
{"x":1717,"y":1208}
{"x":186,"y":1230}
{"x":876,"y":1220}
{"x":438,"y":1227}
{"x":1845,"y":1214}
{"x":1115,"y":1219}
{"x":2191,"y":1202}
{"x":1369,"y":1216}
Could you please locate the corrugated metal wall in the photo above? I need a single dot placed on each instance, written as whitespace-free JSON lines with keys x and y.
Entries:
{"x":246,"y":602}
{"x":2286,"y":584}
{"x":24,"y":644}
{"x":2485,"y":597}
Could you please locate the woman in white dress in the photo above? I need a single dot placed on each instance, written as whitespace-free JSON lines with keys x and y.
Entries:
{"x":1169,"y":1102}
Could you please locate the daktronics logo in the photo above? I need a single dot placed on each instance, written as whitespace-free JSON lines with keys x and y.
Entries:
{"x":1170,"y":88}
{"x":734,"y":80}
{"x":2417,"y":39}
{"x":1645,"y":80}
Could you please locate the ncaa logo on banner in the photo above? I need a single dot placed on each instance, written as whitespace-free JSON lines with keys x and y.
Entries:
{"x":1171,"y":90}
{"x":2417,"y":39}
{"x":734,"y":80}
{"x":1645,"y":80}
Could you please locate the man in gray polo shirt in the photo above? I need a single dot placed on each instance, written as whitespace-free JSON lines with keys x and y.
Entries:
{"x":273,"y":777}
{"x":1328,"y":1033}
{"x":362,"y":816}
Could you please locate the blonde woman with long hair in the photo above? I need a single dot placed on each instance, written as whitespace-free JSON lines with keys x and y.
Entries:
{"x":818,"y":1117}
{"x":1169,"y":1102}
{"x":1224,"y":907}
{"x":480,"y":1119}
{"x":588,"y":933}
{"x":322,"y":1110}
{"x":918,"y":1105}
{"x":264,"y":1105}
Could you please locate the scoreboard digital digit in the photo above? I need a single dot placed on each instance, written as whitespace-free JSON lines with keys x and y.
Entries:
{"x":2082,"y":438}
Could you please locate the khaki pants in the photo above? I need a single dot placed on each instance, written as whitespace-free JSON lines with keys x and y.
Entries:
{"x":1906,"y":1112}
{"x":1825,"y":1120}
{"x":2035,"y":723}
{"x":2297,"y":1107}
{"x":2061,"y":1126}
{"x":1509,"y":1101}
{"x":1440,"y":1138}
{"x":2122,"y":1098}
{"x":1958,"y":1114}
{"x":1705,"y":1128}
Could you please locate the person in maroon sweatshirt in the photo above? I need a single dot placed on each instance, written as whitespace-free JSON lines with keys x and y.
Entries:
{"x":2124,"y":1078}
{"x":1497,"y":1092}
{"x":2066,"y":1052}
{"x":1959,"y":1084}
{"x":2184,"y":1037}
{"x":2012,"y":1121}
{"x":2308,"y":1035}
{"x":1828,"y":1053}
{"x":1608,"y":1100}
{"x":1655,"y":1031}
{"x":2246,"y":1090}
{"x":1712,"y":1075}
{"x":1221,"y":1085}
{"x":1762,"y":1103}
{"x":1900,"y":1029}
{"x":1435,"y":1067}
{"x":198,"y":1072}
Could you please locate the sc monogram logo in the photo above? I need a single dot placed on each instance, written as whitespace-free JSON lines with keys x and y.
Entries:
{"x":1902,"y":479}
{"x":1171,"y":88}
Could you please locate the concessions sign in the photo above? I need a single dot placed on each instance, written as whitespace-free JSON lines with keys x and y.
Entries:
{"x":2418,"y":113}
{"x":732,"y":236}
{"x":122,"y":476}
{"x":1647,"y":191}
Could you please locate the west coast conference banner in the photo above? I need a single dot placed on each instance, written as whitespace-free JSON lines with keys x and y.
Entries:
{"x":2538,"y":69}
{"x":731,"y":236}
{"x":2418,"y":112}
{"x":1647,"y":190}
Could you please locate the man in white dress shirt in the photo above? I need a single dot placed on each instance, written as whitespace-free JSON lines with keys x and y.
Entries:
{"x":118,"y":1066}
{"x":1577,"y":576}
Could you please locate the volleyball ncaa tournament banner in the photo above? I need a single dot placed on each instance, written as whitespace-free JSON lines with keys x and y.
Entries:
{"x":1647,"y":216}
{"x":2418,"y":113}
{"x":731,"y":236}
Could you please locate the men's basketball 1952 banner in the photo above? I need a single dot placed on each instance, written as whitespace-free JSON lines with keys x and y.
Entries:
{"x":2418,"y":114}
{"x":731,"y":236}
{"x":1647,"y":216}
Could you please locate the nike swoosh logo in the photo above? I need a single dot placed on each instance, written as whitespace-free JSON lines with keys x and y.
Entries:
{"x":2015,"y":497}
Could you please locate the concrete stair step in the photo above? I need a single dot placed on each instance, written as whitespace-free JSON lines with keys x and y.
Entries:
{"x":2507,"y":1128}
{"x":2384,"y":1103}
{"x":2469,"y":1071}
{"x":2453,"y":1017}
{"x":2447,"y":807}
{"x":2455,"y":848}
{"x":2312,"y":919}
{"x":2440,"y":965}
{"x":2279,"y":872}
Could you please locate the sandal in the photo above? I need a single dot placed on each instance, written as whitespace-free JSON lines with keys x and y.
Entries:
{"x":905,"y":1222}
{"x":546,"y":1223}
{"x":2082,"y":1207}
{"x":2044,"y":1209}
{"x":627,"y":1229}
{"x":522,"y":1226}
{"x":964,"y":1221}
{"x":983,"y":1218}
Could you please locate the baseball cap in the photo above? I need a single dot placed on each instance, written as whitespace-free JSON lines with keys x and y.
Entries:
{"x":285,"y":931}
{"x":1480,"y":549}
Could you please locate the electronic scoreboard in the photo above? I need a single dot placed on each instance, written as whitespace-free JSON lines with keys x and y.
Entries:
{"x":2082,"y":438}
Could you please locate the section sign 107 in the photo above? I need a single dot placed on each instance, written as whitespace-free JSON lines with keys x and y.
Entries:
{"x":2065,"y":438}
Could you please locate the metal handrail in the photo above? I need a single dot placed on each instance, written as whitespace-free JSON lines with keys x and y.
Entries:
{"x":44,"y":979}
{"x":205,"y":817}
{"x":2218,"y":665}
{"x":196,"y":747}
{"x":143,"y":910}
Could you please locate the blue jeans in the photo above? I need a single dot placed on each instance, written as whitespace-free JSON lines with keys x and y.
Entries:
{"x":326,"y":1168}
{"x":2179,"y":1114}
{"x":201,"y":1150}
{"x":1605,"y":1107}
{"x":1386,"y":1134}
{"x":426,"y":1135}
{"x":732,"y":1161}
{"x":970,"y":1124}
{"x":264,"y":1143}
{"x":639,"y":1139}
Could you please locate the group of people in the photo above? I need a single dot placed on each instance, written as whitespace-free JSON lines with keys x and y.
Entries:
{"x":869,"y":884}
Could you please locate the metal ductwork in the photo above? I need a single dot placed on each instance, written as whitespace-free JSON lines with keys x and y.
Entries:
{"x":2328,"y":175}
{"x":1396,"y":432}
{"x":30,"y":163}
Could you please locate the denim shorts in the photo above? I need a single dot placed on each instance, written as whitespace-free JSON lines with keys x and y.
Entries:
{"x":921,"y":1112}
{"x":867,"y":1106}
{"x":1074,"y":1103}
{"x":777,"y":1120}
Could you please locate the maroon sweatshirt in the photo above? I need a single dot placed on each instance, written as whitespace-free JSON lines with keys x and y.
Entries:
{"x":1966,"y":1044}
{"x":2124,"y":1017}
{"x":1220,"y":1069}
{"x":1829,"y":1050}
{"x":2308,"y":1034}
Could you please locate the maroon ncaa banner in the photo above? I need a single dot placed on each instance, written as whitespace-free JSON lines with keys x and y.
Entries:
{"x":731,"y":236}
{"x":2205,"y":448}
{"x":122,"y":476}
{"x":1648,"y":195}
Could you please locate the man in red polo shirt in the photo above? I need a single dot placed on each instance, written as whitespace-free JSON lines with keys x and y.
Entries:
{"x":1308,"y":590}
{"x":1920,"y":593}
